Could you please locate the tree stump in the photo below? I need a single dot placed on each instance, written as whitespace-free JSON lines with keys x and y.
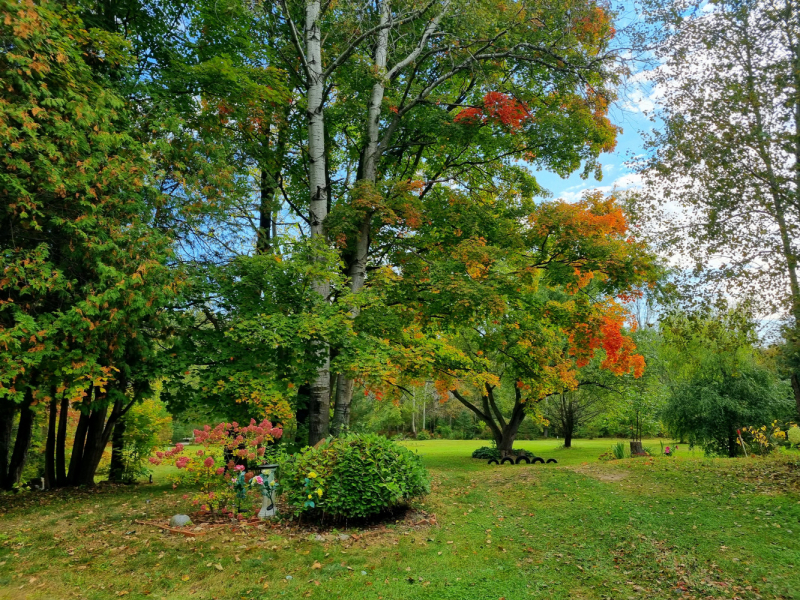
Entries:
{"x":636,"y":448}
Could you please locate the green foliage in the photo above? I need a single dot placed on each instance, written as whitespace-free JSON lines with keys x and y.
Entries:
{"x":82,"y":267}
{"x":720,"y":382}
{"x":355,"y":476}
{"x":619,"y":450}
{"x":147,"y":426}
{"x":423,"y":435}
{"x":709,"y":408}
{"x":253,"y":356}
{"x":486,"y":452}
{"x":793,"y":435}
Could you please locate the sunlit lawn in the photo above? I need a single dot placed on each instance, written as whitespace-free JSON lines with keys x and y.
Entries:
{"x":638,"y":528}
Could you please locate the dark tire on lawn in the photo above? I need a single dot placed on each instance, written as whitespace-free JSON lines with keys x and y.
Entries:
{"x":493,"y":461}
{"x":552,"y":460}
{"x":507,"y":460}
{"x":524,"y":459}
{"x":537,"y":459}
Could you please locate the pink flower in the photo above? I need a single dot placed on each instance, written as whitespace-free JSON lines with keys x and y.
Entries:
{"x":261,"y":451}
{"x":186,"y":496}
{"x":259,"y":479}
{"x":209,"y":462}
{"x":277,"y":432}
{"x":199,"y":453}
{"x":220,"y":470}
{"x":238,"y":468}
{"x":154,"y":460}
{"x":179,"y":447}
{"x":182,"y":462}
{"x":160,"y":454}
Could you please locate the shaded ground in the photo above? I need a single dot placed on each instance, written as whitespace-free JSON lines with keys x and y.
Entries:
{"x":642,"y":528}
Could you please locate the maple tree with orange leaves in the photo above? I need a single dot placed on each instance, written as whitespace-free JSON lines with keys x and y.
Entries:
{"x":513,"y":301}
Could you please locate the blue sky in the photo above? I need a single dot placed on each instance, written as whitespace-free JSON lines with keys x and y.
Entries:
{"x":628,"y":113}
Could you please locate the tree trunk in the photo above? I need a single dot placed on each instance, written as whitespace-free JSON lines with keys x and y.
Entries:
{"x":116,"y":472}
{"x":358,"y":265}
{"x":414,"y":413}
{"x":265,"y":209}
{"x":97,"y":439}
{"x":369,"y":174}
{"x":61,"y":442}
{"x":22,"y":443}
{"x":796,"y":389}
{"x":8,"y":410}
{"x":320,"y":392}
{"x":50,"y":445}
{"x":341,"y":410}
{"x":636,"y":448}
{"x":92,"y":447}
{"x":568,"y":437}
{"x":301,"y":415}
{"x":504,"y":433}
{"x":79,"y":442}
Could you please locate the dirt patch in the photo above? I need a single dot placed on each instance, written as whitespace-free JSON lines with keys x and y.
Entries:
{"x":405,"y":520}
{"x":601,"y":472}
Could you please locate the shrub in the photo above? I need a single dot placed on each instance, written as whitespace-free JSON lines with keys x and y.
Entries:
{"x":423,"y":435}
{"x":445,"y":431}
{"x":793,"y":435}
{"x":356,"y":476}
{"x":487,"y":452}
{"x":147,"y":426}
{"x":618,"y":450}
{"x":769,"y":438}
{"x":218,"y":467}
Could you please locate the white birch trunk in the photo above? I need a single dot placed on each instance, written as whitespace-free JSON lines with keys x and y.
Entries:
{"x":358,"y":269}
{"x":320,"y":395}
{"x":373,"y":150}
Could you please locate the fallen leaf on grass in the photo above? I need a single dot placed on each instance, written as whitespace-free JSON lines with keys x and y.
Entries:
{"x":218,"y":567}
{"x":316,"y":565}
{"x":185,"y":578}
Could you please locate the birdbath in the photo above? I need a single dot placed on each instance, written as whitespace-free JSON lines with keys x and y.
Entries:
{"x":268,"y":508}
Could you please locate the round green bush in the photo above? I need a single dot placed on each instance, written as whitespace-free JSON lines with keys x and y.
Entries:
{"x":356,"y":476}
{"x":487,"y":452}
{"x":424,"y":435}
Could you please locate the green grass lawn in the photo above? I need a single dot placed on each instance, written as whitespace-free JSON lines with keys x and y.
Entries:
{"x":637,"y":528}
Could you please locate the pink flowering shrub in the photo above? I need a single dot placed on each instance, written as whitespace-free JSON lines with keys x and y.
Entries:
{"x":213,"y":467}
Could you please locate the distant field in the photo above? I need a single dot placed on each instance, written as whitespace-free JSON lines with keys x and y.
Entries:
{"x":457,"y":452}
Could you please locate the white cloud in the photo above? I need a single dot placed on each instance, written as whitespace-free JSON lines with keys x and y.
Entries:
{"x":623,"y":182}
